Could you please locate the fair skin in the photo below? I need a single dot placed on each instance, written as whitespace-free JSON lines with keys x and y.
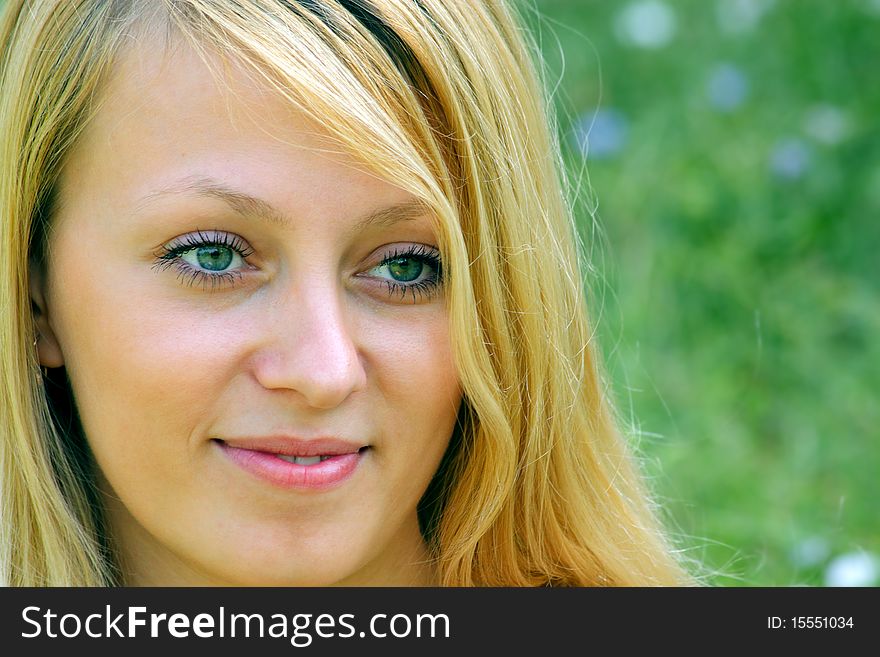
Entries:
{"x":298,"y":337}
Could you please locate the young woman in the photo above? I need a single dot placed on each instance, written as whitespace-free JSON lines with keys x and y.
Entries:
{"x":291,"y":296}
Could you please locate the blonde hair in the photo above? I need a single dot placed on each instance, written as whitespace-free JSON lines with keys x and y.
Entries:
{"x":538,"y":486}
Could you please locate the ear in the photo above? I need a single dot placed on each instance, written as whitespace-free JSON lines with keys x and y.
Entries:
{"x":48,"y":349}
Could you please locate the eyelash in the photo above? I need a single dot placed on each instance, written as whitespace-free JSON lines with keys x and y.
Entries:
{"x":421,"y":253}
{"x":170,"y":256}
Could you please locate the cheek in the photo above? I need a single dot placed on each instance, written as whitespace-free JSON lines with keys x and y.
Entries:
{"x":142,"y":370}
{"x":417,"y":377}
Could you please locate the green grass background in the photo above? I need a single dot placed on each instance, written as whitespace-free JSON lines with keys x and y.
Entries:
{"x":738,"y":310}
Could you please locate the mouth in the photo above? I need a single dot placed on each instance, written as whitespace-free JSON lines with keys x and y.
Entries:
{"x":303,"y":460}
{"x":301,"y":465}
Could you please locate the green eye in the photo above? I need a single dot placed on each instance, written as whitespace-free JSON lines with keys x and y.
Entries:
{"x":415,"y":271}
{"x":211,"y":257}
{"x":405,"y":269}
{"x":214,"y":257}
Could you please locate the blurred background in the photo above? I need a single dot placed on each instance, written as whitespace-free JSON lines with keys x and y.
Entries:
{"x":728,"y":159}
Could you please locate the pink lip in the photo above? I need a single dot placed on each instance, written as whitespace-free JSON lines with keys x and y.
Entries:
{"x":259,"y":456}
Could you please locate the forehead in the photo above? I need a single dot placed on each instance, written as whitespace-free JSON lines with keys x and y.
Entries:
{"x":165,"y":114}
{"x":154,"y":82}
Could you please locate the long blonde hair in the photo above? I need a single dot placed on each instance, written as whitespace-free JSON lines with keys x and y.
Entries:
{"x":442,"y":97}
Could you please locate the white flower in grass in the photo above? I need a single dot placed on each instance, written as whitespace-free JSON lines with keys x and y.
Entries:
{"x":872,"y":7}
{"x":738,"y":16}
{"x":810,"y":552}
{"x":827,"y":124}
{"x":853,"y":569}
{"x":646,"y":24}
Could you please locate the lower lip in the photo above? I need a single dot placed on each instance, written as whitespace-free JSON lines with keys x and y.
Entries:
{"x":320,"y":476}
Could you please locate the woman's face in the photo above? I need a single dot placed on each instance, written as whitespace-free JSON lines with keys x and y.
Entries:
{"x":254,"y":333}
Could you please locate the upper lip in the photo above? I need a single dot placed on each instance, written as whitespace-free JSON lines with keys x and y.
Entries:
{"x":293,"y":446}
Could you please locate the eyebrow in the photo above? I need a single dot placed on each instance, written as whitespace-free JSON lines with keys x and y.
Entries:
{"x":252,"y":206}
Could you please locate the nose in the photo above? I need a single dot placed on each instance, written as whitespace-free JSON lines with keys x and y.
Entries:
{"x":312,"y":349}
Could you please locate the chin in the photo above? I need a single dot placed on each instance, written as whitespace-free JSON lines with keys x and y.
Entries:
{"x":262,"y":576}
